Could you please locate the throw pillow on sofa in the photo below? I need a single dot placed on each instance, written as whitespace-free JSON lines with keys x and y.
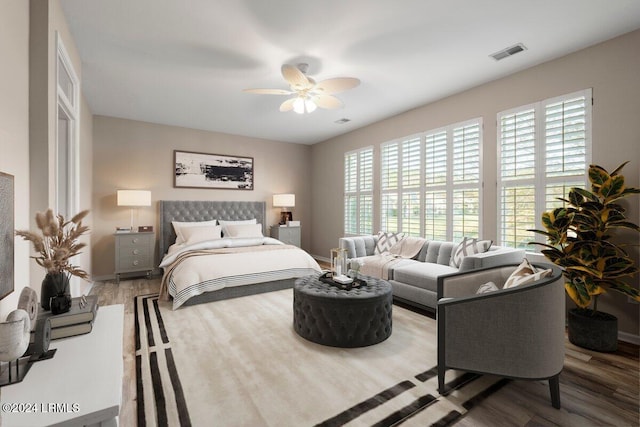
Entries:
{"x":525,"y":273}
{"x":386,"y":241}
{"x":486,"y":288}
{"x":468,"y":247}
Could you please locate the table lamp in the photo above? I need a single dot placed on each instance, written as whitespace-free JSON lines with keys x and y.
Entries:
{"x":284,"y":201}
{"x":133,"y":199}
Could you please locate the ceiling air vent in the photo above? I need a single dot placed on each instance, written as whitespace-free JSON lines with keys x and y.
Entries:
{"x":512,"y":50}
{"x":342,"y":121}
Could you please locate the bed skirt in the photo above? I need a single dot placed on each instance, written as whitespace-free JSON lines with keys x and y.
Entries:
{"x":241,"y":291}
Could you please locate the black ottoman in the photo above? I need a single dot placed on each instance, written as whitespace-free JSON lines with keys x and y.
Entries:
{"x":331,"y":316}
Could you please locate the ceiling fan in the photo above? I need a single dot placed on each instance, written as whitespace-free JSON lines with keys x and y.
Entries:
{"x":308,"y":94}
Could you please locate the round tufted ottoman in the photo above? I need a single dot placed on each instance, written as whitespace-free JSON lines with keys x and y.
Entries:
{"x":331,"y":316}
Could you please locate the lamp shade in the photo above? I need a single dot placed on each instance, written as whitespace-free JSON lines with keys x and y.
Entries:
{"x":284,"y":200}
{"x":134,"y":198}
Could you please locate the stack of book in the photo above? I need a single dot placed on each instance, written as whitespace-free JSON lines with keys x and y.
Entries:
{"x":77,"y":321}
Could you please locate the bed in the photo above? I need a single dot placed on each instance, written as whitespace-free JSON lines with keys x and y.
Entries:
{"x":198,"y":269}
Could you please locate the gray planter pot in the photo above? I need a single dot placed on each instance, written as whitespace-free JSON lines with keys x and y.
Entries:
{"x":597,"y":331}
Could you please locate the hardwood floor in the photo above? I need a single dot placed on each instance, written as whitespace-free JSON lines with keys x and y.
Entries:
{"x":597,"y":389}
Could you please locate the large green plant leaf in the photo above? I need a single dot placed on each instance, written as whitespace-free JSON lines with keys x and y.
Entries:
{"x":578,"y":293}
{"x":612,"y":188}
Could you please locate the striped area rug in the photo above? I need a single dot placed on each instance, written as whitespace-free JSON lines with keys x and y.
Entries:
{"x":170,"y":395}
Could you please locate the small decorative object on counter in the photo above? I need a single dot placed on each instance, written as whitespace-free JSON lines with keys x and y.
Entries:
{"x":55,"y":245}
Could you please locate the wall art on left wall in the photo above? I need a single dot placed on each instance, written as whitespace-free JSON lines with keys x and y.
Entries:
{"x":202,"y":170}
{"x":6,"y":234}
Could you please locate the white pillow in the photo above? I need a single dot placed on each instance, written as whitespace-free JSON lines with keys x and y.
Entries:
{"x":386,"y":241}
{"x":524,"y":274}
{"x":486,"y":288}
{"x":243,"y":230}
{"x":225,"y":223}
{"x":201,"y":234}
{"x":178,"y":226}
{"x":468,"y":247}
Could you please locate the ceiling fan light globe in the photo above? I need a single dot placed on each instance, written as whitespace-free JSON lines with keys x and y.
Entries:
{"x":310,"y":106}
{"x":298,"y":105}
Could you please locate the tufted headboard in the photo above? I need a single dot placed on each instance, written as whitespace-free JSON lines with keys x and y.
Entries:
{"x":204,"y":210}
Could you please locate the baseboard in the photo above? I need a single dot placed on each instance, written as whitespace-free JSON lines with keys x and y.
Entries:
{"x":630,"y":338}
{"x":106,"y":278}
{"x":321,"y":258}
{"x":156,"y":272}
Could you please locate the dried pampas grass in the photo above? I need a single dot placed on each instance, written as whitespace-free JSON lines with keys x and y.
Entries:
{"x":57,"y":242}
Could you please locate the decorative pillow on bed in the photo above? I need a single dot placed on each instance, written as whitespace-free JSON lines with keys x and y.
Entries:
{"x":201,"y":234}
{"x":243,"y":230}
{"x":178,"y":226}
{"x":225,"y":223}
{"x":386,"y":241}
{"x":524,"y":274}
{"x":468,"y":247}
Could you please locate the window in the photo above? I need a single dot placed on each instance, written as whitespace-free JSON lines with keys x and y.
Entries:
{"x":430,"y":183}
{"x":67,"y":156}
{"x":358,"y":192}
{"x":543,"y":151}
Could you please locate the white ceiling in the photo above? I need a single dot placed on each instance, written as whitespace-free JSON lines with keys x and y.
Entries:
{"x":185,"y":63}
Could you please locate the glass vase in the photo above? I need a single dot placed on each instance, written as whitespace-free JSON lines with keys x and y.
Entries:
{"x":338,"y":261}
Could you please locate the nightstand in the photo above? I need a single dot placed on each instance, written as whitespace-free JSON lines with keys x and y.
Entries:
{"x":288,"y":235}
{"x":134,"y":253}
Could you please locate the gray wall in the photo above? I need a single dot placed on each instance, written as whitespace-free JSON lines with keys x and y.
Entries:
{"x":137,"y":155}
{"x":611,"y":69}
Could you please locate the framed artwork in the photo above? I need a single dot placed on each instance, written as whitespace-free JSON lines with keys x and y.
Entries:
{"x":203,"y":170}
{"x":7,"y":234}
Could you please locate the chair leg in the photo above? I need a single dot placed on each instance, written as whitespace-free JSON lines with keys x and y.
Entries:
{"x":554,"y":389}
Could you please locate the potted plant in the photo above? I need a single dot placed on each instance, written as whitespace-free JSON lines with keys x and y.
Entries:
{"x":56,"y":243}
{"x":579,"y":240}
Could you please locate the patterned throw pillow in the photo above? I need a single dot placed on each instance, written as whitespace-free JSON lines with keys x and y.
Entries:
{"x":386,"y":240}
{"x":525,"y":273}
{"x":468,"y":247}
{"x":486,"y":288}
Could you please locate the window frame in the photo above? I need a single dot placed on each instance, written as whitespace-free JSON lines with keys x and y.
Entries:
{"x":540,"y":180}
{"x":448,"y":187}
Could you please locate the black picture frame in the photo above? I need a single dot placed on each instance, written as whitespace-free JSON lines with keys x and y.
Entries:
{"x":214,"y":171}
{"x":7,"y":234}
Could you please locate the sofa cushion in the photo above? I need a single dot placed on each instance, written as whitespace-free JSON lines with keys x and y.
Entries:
{"x":421,"y":274}
{"x":386,"y":240}
{"x":436,"y":252}
{"x":468,"y":247}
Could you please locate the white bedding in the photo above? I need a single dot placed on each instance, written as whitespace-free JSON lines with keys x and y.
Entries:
{"x":191,"y":270}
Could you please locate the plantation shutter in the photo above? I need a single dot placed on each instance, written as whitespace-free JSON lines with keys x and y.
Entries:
{"x":436,"y":186}
{"x":389,"y":171}
{"x":358,"y":192}
{"x":466,"y":181}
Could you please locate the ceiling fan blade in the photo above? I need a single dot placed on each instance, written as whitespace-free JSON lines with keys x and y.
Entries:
{"x":329,"y":102}
{"x":336,"y":85}
{"x":287,"y":105}
{"x":295,"y":77}
{"x":269,"y":91}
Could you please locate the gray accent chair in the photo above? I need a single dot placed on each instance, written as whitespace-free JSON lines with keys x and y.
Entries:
{"x":516,"y":333}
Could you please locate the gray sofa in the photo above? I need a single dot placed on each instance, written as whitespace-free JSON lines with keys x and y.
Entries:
{"x":415,"y":281}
